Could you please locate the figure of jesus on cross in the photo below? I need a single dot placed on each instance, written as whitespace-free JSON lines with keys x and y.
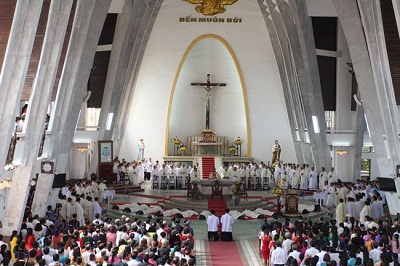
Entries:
{"x":208,"y":86}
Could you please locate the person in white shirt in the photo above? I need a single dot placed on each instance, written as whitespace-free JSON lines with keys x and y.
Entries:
{"x":311,"y":251}
{"x":212,"y":224}
{"x":295,"y":254}
{"x":375,"y":253}
{"x":227,"y":222}
{"x":279,"y":255}
{"x":287,"y":243}
{"x":321,"y":255}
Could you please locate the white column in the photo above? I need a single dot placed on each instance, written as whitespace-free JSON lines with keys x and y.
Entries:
{"x":15,"y":66}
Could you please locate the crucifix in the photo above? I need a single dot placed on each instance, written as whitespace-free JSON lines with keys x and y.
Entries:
{"x":208,"y":86}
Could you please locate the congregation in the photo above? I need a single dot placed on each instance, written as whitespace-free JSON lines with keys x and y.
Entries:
{"x":357,"y":235}
{"x":76,"y":231}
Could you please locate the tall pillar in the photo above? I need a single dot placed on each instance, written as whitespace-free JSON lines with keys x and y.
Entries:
{"x":359,"y":142}
{"x":371,"y":16}
{"x":41,"y":93}
{"x":301,"y":40}
{"x":130,"y":38}
{"x":396,"y":9}
{"x":349,"y":17}
{"x":15,"y":66}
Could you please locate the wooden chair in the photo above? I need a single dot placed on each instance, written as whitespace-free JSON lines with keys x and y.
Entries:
{"x":240,"y":190}
{"x":193,"y":191}
{"x":216,"y":187}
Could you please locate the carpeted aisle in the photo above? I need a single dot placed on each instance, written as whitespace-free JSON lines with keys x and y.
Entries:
{"x":225,"y":253}
{"x":217,"y":205}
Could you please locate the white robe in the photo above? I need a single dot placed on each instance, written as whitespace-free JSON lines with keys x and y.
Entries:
{"x":140,"y":174}
{"x":350,"y":209}
{"x":295,"y":180}
{"x":303,"y":182}
{"x":330,"y":201}
{"x":322,"y":178}
{"x":70,"y":210}
{"x":313,"y":180}
{"x":79,"y":213}
{"x":364,"y":212}
{"x":332,"y":177}
{"x":227,"y":222}
{"x":95,"y":208}
{"x":359,"y":207}
{"x":340,"y":213}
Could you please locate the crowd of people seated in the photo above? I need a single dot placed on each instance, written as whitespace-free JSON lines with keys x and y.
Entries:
{"x":355,"y":234}
{"x":147,"y":241}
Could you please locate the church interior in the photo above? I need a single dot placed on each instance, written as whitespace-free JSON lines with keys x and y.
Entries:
{"x":197,"y":83}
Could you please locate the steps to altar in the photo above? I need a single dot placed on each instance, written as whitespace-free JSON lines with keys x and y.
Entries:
{"x":207,"y":165}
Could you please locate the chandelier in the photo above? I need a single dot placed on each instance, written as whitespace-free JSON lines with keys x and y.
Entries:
{"x":341,"y":152}
{"x":82,"y":149}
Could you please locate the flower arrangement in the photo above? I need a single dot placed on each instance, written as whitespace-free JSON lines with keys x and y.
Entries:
{"x":232,"y":148}
{"x":176,"y":141}
{"x":277,"y":191}
{"x":238,"y":141}
{"x":183,"y":149}
{"x":236,"y":187}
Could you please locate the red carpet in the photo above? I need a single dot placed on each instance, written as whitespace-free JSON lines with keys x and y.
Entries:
{"x":207,"y":163}
{"x":217,"y":205}
{"x":225,"y":253}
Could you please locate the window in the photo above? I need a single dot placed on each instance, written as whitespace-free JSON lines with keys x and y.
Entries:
{"x":92,"y":118}
{"x":330,"y":120}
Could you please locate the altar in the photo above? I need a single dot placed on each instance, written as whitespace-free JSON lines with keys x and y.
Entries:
{"x":208,"y":144}
{"x":206,"y":186}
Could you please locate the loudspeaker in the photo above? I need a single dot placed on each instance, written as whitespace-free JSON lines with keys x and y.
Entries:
{"x":59,"y":181}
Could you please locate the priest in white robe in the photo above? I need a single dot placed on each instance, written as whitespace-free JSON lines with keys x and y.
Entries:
{"x":359,"y":206}
{"x":332,"y":177}
{"x":95,"y":209}
{"x":366,"y":211}
{"x":313,"y":179}
{"x":196,"y":173}
{"x":102,"y":189}
{"x":304,"y":181}
{"x":350,"y":207}
{"x":340,"y":212}
{"x":295,"y":180}
{"x":79,"y":212}
{"x":140,"y":173}
{"x":330,"y":201}
{"x":322,"y":178}
{"x":63,"y":209}
{"x":70,"y":209}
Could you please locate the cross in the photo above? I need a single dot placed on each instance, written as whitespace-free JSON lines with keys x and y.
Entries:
{"x":208,"y":86}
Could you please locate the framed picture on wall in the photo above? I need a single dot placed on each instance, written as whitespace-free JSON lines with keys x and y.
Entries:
{"x":105,"y":151}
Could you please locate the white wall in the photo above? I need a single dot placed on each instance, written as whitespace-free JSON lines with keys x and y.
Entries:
{"x":78,"y":162}
{"x":345,"y":118}
{"x":168,"y":42}
{"x":228,"y":116}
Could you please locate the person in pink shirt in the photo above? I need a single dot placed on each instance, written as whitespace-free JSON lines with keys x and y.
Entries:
{"x":395,"y":244}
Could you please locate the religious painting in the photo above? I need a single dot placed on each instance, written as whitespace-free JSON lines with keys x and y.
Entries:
{"x":105,"y":151}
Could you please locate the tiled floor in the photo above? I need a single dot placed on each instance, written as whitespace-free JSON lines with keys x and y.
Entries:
{"x":244,"y":232}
